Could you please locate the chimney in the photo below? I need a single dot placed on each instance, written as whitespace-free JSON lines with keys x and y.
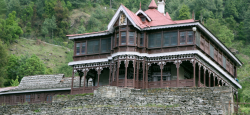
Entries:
{"x":161,"y":6}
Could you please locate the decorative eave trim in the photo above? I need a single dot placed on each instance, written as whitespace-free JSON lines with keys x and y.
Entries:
{"x":37,"y":90}
{"x":217,"y":67}
{"x":89,"y":35}
{"x":140,"y":11}
{"x":116,"y":16}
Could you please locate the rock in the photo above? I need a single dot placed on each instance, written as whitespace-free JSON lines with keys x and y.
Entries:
{"x":22,"y":45}
{"x":16,"y":41}
{"x":66,"y":52}
{"x":60,"y":56}
{"x":11,"y":49}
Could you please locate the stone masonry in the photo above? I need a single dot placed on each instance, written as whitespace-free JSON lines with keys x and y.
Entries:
{"x":111,"y":100}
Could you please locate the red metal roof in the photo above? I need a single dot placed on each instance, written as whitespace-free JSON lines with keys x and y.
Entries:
{"x":152,"y":5}
{"x":135,"y":18}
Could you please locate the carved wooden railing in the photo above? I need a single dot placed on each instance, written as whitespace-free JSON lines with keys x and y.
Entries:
{"x":186,"y":83}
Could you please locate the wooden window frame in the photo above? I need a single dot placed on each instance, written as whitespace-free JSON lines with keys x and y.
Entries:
{"x":161,"y":32}
{"x":170,"y":38}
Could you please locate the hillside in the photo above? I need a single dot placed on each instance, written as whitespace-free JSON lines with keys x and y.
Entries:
{"x":53,"y":56}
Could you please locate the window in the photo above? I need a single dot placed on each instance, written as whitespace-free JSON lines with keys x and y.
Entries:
{"x":154,"y":40}
{"x":113,"y":41}
{"x":215,"y":54}
{"x":212,"y":51}
{"x":170,"y":38}
{"x":224,"y":61}
{"x":131,"y":38}
{"x":182,"y":38}
{"x":143,"y":19}
{"x":117,"y":39}
{"x":105,"y":45}
{"x":123,"y":38}
{"x":49,"y":98}
{"x":142,"y":39}
{"x":83,"y":48}
{"x":190,"y":37}
{"x":77,"y":48}
{"x":186,"y":37}
{"x":17,"y":99}
{"x":93,"y":46}
{"x":198,"y":38}
{"x":27,"y":98}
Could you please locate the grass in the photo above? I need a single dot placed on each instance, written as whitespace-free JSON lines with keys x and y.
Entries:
{"x":52,"y":56}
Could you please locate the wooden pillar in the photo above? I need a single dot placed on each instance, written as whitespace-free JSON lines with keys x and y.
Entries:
{"x":72,"y":80}
{"x":117,"y":72}
{"x":134,"y":65}
{"x":126,"y":72}
{"x":137,"y":75}
{"x":110,"y":71}
{"x":199,"y":82}
{"x":147,"y":68}
{"x":85,"y":74}
{"x":209,"y":79}
{"x":143,"y":69}
{"x":194,"y":63}
{"x":161,"y":67}
{"x":98,"y":72}
{"x":177,"y":63}
{"x":80,"y":81}
{"x":214,"y":80}
{"x":177,"y":67}
{"x":204,"y":77}
{"x":113,"y":75}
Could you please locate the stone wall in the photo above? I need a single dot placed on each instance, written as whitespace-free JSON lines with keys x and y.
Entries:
{"x":114,"y":100}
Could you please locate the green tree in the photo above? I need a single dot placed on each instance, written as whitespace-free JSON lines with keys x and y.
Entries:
{"x":3,"y":62}
{"x":246,"y":27}
{"x":224,"y":34}
{"x":3,"y":7}
{"x":13,"y":68}
{"x":32,"y":66}
{"x":184,"y":13}
{"x":230,"y":8}
{"x":49,"y":25}
{"x":14,"y":82}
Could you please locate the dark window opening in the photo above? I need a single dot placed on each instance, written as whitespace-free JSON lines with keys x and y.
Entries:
{"x":154,"y":40}
{"x":142,"y":39}
{"x":77,"y":48}
{"x":105,"y":45}
{"x":93,"y":46}
{"x":170,"y":38}
{"x":123,"y":38}
{"x":83,"y":48}
{"x":131,"y":38}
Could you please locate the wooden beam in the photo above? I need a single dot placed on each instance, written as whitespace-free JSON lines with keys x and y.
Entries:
{"x":194,"y":74}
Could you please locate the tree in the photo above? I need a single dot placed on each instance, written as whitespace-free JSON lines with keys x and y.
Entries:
{"x":246,"y":27}
{"x":32,"y":66}
{"x":230,"y":8}
{"x":3,"y":62}
{"x":3,"y":7}
{"x":13,"y":68}
{"x":224,"y":34}
{"x":49,"y":25}
{"x":184,"y":13}
{"x":14,"y":82}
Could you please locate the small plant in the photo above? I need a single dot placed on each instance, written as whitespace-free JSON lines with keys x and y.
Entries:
{"x":25,"y":103}
{"x":37,"y":110}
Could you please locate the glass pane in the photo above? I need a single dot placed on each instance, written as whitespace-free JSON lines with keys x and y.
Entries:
{"x":174,"y":38}
{"x":117,"y":39}
{"x":170,"y":39}
{"x":154,"y":40}
{"x":142,"y":39}
{"x":224,"y":61}
{"x":123,"y":38}
{"x":131,"y":38}
{"x":113,"y":41}
{"x":182,"y":38}
{"x":190,"y":37}
{"x":198,"y":39}
{"x":211,"y":51}
{"x":105,"y":45}
{"x":83,"y":47}
{"x":93,"y":46}
{"x":77,"y":48}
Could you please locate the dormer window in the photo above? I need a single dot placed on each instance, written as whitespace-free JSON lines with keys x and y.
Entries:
{"x":143,"y":19}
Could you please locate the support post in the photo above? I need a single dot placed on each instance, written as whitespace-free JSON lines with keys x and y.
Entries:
{"x":194,"y":73}
{"x":110,"y":71}
{"x":134,"y":65}
{"x":147,"y":68}
{"x":137,"y":75}
{"x":126,"y":72}
{"x":117,"y":72}
{"x":80,"y":81}
{"x":143,"y":66}
{"x":161,"y":67}
{"x":204,"y":77}
{"x":85,"y":74}
{"x":98,"y":72}
{"x":177,"y":63}
{"x":214,"y":80}
{"x":209,"y":79}
{"x":199,"y":82}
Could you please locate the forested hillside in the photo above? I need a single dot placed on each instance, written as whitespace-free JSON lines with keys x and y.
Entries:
{"x":52,"y":20}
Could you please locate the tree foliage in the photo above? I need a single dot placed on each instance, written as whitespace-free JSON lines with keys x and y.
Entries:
{"x":14,"y":82}
{"x":184,"y":13}
{"x":3,"y":62}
